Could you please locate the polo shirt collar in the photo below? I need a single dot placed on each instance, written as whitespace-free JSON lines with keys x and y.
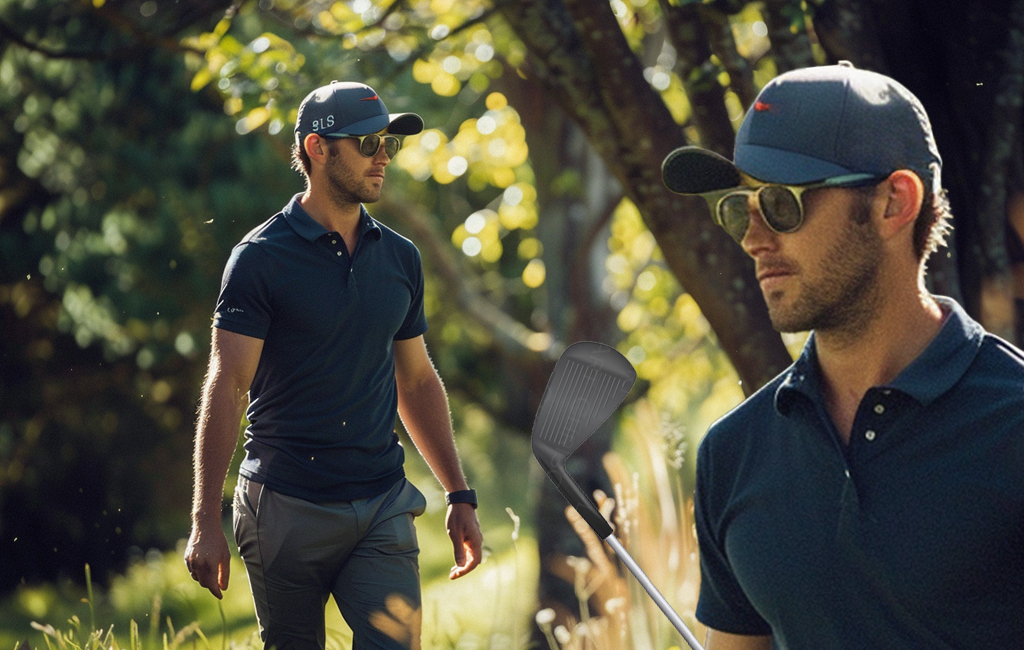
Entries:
{"x":308,"y":228}
{"x":929,"y":376}
{"x":946,"y":359}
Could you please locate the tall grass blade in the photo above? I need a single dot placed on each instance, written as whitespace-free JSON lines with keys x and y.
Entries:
{"x":200,"y":634}
{"x":154,"y":621}
{"x":223,"y":626}
{"x":88,"y":591}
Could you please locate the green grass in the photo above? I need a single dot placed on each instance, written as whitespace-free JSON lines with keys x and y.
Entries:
{"x":155,"y":605}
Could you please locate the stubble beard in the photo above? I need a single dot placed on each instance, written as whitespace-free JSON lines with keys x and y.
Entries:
{"x":845,"y":295}
{"x":345,"y":187}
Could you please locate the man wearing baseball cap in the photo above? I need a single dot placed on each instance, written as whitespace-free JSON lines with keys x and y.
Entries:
{"x":872,"y":495}
{"x":319,"y":327}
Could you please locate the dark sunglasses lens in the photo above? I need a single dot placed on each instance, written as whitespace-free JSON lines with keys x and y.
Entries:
{"x":732,"y":212}
{"x":369,"y":145}
{"x":781,"y":208}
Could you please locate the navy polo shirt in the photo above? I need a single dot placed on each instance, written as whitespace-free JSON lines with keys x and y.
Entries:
{"x":323,"y":400}
{"x":910,"y":537}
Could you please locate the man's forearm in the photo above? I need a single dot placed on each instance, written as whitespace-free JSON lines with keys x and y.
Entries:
{"x":216,"y":437}
{"x":424,"y":412}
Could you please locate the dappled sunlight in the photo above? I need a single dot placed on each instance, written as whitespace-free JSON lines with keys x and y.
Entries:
{"x":146,"y":138}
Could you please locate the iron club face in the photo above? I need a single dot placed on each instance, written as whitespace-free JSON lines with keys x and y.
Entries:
{"x":588,"y":383}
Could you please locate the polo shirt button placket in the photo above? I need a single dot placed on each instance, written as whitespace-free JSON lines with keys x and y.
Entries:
{"x":871,"y":434}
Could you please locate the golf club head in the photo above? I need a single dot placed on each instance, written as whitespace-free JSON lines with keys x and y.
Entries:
{"x":588,"y":383}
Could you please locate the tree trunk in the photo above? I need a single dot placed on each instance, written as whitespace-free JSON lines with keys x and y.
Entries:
{"x":632,"y":130}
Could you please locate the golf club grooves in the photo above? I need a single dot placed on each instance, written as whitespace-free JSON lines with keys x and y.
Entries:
{"x":588,"y":390}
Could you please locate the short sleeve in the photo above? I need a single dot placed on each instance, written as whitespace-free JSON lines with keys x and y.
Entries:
{"x":244,"y":304}
{"x":415,"y":322}
{"x":722,"y":604}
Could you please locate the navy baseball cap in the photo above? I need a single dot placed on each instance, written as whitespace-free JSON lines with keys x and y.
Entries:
{"x":349,"y":108}
{"x":815,"y":123}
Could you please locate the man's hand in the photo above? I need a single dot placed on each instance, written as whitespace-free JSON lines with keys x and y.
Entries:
{"x":467,"y":541}
{"x":208,"y":559}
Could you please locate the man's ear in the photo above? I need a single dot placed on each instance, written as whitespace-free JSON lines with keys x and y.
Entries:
{"x":316,"y":147}
{"x":903,"y":196}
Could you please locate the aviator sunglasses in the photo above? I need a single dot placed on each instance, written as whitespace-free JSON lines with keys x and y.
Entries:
{"x":369,"y":145}
{"x":781,"y":205}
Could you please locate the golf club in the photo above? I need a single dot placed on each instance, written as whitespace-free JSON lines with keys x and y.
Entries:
{"x":588,"y":383}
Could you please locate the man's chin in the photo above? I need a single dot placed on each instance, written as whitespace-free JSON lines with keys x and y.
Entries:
{"x":370,"y":197}
{"x":785,"y":321}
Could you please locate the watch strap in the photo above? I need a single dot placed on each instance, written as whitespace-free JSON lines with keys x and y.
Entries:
{"x":461,"y":496}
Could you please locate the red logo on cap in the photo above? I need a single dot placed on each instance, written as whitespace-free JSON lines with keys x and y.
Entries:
{"x":369,"y":99}
{"x":761,"y":107}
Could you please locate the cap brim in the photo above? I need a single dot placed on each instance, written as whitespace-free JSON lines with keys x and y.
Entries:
{"x":692,"y":170}
{"x":405,"y":124}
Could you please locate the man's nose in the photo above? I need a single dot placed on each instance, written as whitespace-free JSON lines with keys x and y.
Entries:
{"x":758,"y":235}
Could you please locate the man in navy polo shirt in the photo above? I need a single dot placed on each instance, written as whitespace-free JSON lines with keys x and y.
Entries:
{"x":320,"y":324}
{"x":872,"y":495}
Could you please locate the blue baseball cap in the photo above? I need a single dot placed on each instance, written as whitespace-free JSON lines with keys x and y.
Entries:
{"x":349,"y":108}
{"x":815,"y":123}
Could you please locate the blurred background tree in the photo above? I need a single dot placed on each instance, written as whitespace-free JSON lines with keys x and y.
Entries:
{"x":140,"y":139}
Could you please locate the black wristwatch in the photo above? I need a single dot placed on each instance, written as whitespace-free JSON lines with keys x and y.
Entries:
{"x":461,"y":496}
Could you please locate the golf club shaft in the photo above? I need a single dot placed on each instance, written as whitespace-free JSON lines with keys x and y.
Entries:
{"x":653,"y":592}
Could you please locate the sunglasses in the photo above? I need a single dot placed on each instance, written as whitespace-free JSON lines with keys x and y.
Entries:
{"x":369,"y":145}
{"x":781,"y":205}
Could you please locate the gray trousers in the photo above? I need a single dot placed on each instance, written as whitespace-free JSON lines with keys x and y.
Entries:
{"x":363,"y":552}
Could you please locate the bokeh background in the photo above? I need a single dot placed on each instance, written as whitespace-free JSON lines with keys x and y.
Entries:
{"x":140,"y":139}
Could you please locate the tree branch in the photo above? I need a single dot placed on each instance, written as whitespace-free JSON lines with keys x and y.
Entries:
{"x":628,"y":124}
{"x":511,"y":336}
{"x":143,"y":39}
{"x":579,"y":275}
{"x":427,"y":47}
{"x":723,"y":45}
{"x":9,"y":33}
{"x":792,"y":48}
{"x":847,"y":31}
{"x":558,"y":62}
{"x":700,"y":77}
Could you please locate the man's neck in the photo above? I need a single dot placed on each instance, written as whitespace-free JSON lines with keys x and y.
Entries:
{"x":903,"y":326}
{"x":342,"y":218}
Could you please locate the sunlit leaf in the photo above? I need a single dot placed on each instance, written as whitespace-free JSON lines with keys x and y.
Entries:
{"x":200,"y":79}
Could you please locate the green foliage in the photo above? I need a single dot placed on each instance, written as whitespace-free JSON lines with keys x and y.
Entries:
{"x":139,"y":166}
{"x":134,"y":189}
{"x":129,"y":169}
{"x":667,"y":338}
